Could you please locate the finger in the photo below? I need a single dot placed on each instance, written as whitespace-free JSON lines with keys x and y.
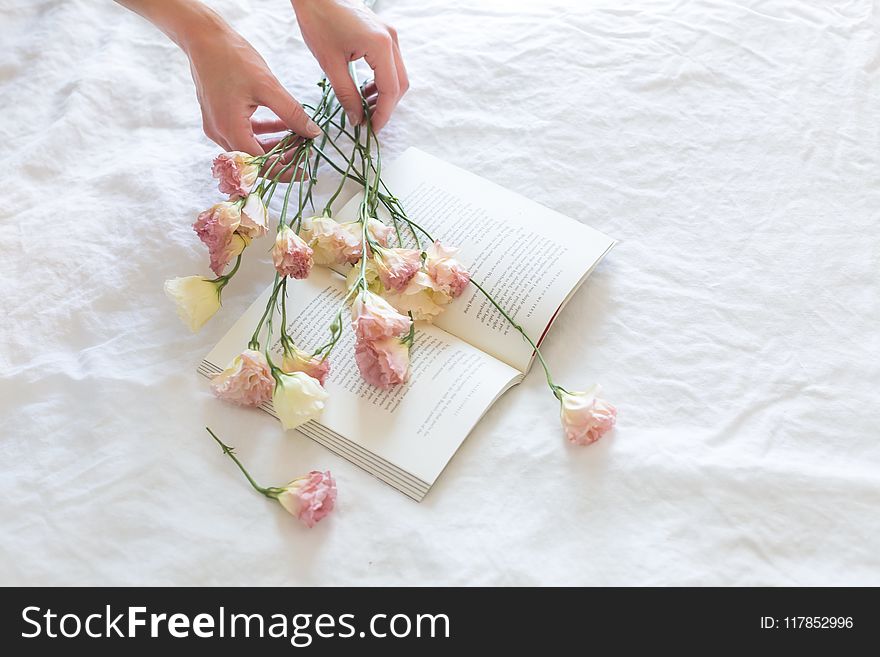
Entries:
{"x":222,"y":143}
{"x":346,"y":90}
{"x":385,"y":72}
{"x":402,"y":77}
{"x":264,"y":126}
{"x":214,"y":135}
{"x":369,"y":88}
{"x":241,"y":138}
{"x":282,"y":165}
{"x":268,"y":143}
{"x":277,"y":99}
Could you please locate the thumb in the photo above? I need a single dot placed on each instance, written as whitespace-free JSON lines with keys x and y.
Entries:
{"x":346,"y":91}
{"x":291,"y":112}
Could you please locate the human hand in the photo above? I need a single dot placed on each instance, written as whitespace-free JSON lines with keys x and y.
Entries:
{"x":232,"y":80}
{"x":341,"y":31}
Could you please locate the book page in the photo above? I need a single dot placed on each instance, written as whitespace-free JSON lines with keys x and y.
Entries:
{"x":528,"y":257}
{"x":414,"y":428}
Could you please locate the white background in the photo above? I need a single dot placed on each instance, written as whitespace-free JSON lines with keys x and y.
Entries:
{"x":732,"y":147}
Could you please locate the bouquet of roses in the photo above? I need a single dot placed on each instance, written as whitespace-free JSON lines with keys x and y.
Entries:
{"x":399,"y":274}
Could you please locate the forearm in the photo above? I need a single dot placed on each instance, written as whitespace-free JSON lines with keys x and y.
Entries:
{"x":181,"y":20}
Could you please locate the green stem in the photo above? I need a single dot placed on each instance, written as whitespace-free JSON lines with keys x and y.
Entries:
{"x":327,"y":206}
{"x":522,"y":332}
{"x":229,"y":451}
{"x":255,"y":343}
{"x":281,"y":171}
{"x":286,"y":340}
{"x":280,"y":146}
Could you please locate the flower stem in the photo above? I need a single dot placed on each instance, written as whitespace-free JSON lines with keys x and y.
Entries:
{"x":522,"y":332}
{"x":230,"y":452}
{"x":255,"y":342}
{"x":222,"y":281}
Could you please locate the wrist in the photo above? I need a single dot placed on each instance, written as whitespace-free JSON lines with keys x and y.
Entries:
{"x":185,"y":22}
{"x":311,"y":5}
{"x":197,"y":24}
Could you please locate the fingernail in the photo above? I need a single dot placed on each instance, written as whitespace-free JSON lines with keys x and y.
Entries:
{"x":352,"y":118}
{"x":313,"y":128}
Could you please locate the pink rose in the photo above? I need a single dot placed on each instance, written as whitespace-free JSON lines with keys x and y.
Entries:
{"x":373,"y":318}
{"x":236,"y":172}
{"x":298,"y":361}
{"x":383,"y":363}
{"x":310,"y":498}
{"x":446,"y":271}
{"x":396,"y":267}
{"x":247,"y":380}
{"x":585,"y":416}
{"x":291,"y":255}
{"x":216,"y":228}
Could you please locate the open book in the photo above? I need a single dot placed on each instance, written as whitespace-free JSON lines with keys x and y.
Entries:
{"x":528,"y":257}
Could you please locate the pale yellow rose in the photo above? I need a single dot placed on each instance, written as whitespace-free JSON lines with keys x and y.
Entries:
{"x":297,"y":399}
{"x":197,"y":299}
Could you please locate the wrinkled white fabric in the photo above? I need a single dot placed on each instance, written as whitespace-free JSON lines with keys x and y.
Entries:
{"x":733,"y":149}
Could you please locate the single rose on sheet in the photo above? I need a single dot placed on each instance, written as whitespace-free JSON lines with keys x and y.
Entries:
{"x":310,"y":498}
{"x":586,"y":417}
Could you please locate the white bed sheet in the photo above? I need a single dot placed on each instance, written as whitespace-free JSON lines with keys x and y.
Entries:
{"x":732,"y":147}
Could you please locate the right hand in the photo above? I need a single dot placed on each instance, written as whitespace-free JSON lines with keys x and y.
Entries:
{"x":232,"y":80}
{"x":342,"y":31}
